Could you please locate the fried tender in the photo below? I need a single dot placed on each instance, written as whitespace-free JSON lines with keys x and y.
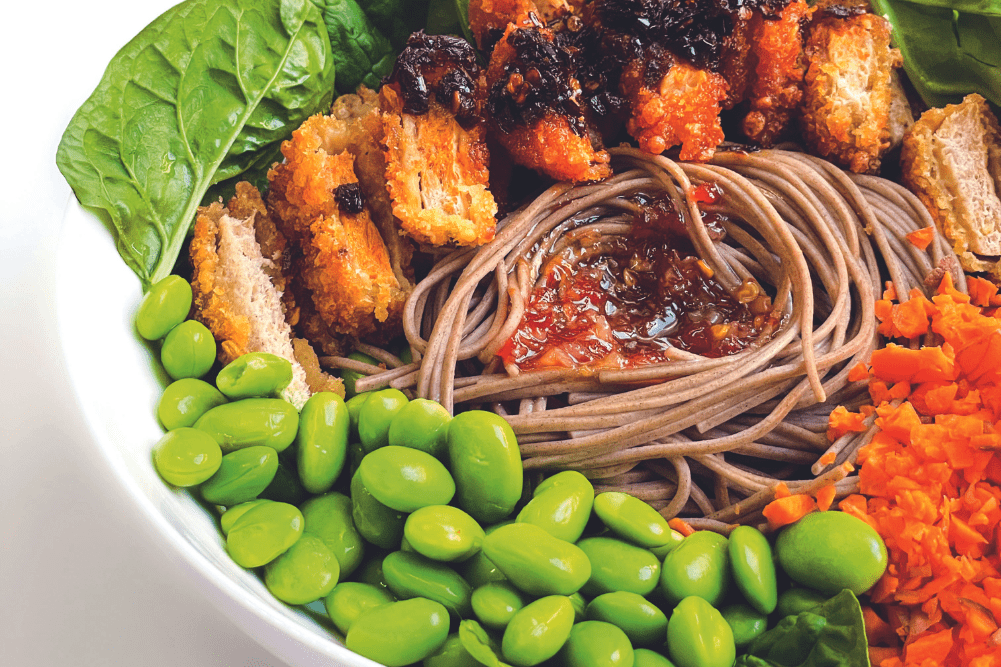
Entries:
{"x":951,"y":159}
{"x":341,"y":257}
{"x":849,"y":87}
{"x":490,"y":17}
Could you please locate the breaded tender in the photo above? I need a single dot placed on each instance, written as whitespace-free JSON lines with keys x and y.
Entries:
{"x":849,"y":87}
{"x":682,"y":109}
{"x":776,"y":84}
{"x":735,"y":59}
{"x":489,"y":18}
{"x":901,"y":115}
{"x":951,"y":159}
{"x":437,"y":174}
{"x":340,"y":256}
{"x":238,"y":284}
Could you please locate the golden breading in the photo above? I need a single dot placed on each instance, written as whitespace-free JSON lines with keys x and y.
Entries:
{"x":735,"y":59}
{"x":951,"y":159}
{"x":493,"y":16}
{"x":775,"y":89}
{"x":683,"y":109}
{"x":848,"y":88}
{"x":341,"y":257}
{"x":437,"y":175}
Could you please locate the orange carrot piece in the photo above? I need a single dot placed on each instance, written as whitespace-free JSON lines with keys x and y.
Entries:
{"x":858,"y":373}
{"x":841,"y":422}
{"x":877,"y":654}
{"x":889,"y":291}
{"x":827,"y":459}
{"x":825,"y":497}
{"x":681,"y":526}
{"x":784,"y":511}
{"x":922,"y":238}
{"x":910,"y":317}
{"x":782,"y":491}
{"x":981,"y":291}
{"x":934,"y":646}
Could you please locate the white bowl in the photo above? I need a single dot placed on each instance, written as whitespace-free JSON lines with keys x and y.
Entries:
{"x":118,"y":380}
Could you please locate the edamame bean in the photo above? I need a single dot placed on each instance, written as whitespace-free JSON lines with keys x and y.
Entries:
{"x":794,"y":601}
{"x":535,"y":561}
{"x":698,"y":566}
{"x":230,"y":516}
{"x":354,"y":407}
{"x":597,"y":644}
{"x":304,"y":573}
{"x":285,"y":487}
{"x":328,"y":517}
{"x":830,"y":551}
{"x":746,"y":622}
{"x":561,"y":505}
{"x":698,"y":636}
{"x":632,"y":519}
{"x":423,"y":425}
{"x":674,"y":540}
{"x":370,"y":572}
{"x":406,"y":479}
{"x":451,"y":654}
{"x":188,"y":351}
{"x":251,"y":421}
{"x":486,"y":463}
{"x":376,"y":415}
{"x":643,"y":622}
{"x":538,"y":631}
{"x":579,"y":607}
{"x":186,"y":457}
{"x":399,"y":633}
{"x":411,"y":575}
{"x":185,"y":400}
{"x":164,"y":306}
{"x":644,"y":657}
{"x":243,"y":475}
{"x":753,"y":568}
{"x":263,"y":533}
{"x":380,"y":525}
{"x":254,"y":375}
{"x":322,"y":441}
{"x":479,"y":570}
{"x":619,"y":566}
{"x":496,"y":603}
{"x":443,"y":532}
{"x":349,"y":377}
{"x":350,"y":599}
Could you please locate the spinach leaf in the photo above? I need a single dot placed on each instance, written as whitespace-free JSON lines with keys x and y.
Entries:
{"x":948,"y":53}
{"x":197,"y":97}
{"x":450,"y":17}
{"x":832,"y":634}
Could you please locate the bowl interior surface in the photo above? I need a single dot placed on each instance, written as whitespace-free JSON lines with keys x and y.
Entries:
{"x":117,"y":379}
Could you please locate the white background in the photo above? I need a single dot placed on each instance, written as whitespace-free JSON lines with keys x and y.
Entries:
{"x":82,"y":583}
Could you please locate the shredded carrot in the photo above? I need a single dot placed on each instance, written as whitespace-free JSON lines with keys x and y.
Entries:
{"x":825,"y":497}
{"x":681,"y":526}
{"x":922,"y":238}
{"x":783,"y":511}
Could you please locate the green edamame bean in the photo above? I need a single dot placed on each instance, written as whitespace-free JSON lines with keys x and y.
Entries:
{"x":164,"y":306}
{"x":643,"y":622}
{"x":479,"y":569}
{"x":186,"y":457}
{"x":243,"y":475}
{"x":285,"y":487}
{"x":251,"y":421}
{"x":328,"y":517}
{"x":253,"y":375}
{"x":350,"y":599}
{"x":535,"y":561}
{"x":376,"y":415}
{"x":349,"y":377}
{"x":597,"y":644}
{"x":451,"y":654}
{"x":830,"y":551}
{"x":410,"y":575}
{"x":230,"y":516}
{"x":579,"y":607}
{"x":632,"y":519}
{"x":304,"y":573}
{"x":698,"y":636}
{"x":380,"y":525}
{"x":443,"y":532}
{"x":619,"y":566}
{"x":354,"y":408}
{"x":496,"y":603}
{"x":185,"y":400}
{"x":644,"y":657}
{"x":794,"y":601}
{"x":486,"y":463}
{"x":188,"y":351}
{"x":406,"y":479}
{"x":370,"y":572}
{"x":698,"y":566}
{"x":746,"y":622}
{"x":753,"y":568}
{"x":263,"y":533}
{"x":421,"y":424}
{"x":399,"y":633}
{"x":673,"y":540}
{"x":322,"y":441}
{"x":538,"y":631}
{"x":561,"y":505}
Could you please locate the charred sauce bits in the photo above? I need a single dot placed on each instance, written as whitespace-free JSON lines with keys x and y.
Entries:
{"x":442,"y":65}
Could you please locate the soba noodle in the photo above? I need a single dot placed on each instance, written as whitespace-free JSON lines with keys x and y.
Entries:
{"x":819,"y":240}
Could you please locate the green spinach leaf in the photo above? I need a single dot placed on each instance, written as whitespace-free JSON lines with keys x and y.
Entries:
{"x":450,"y":17}
{"x":832,"y":634}
{"x":202,"y":95}
{"x":984,"y":7}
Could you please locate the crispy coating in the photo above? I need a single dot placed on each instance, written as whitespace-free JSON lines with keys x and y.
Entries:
{"x":683,"y":109}
{"x":437,"y":175}
{"x":487,"y":17}
{"x":776,"y":86}
{"x":951,"y":159}
{"x":341,"y":257}
{"x":735,"y":60}
{"x":849,"y":88}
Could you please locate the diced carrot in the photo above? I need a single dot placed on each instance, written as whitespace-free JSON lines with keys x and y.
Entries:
{"x":790,"y":509}
{"x":933,"y":646}
{"x":858,"y":373}
{"x":922,"y":238}
{"x":681,"y":526}
{"x":825,"y":497}
{"x":910,"y":317}
{"x":827,"y":459}
{"x":981,"y":291}
{"x":889,"y":291}
{"x":841,"y":422}
{"x":877,"y":654}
